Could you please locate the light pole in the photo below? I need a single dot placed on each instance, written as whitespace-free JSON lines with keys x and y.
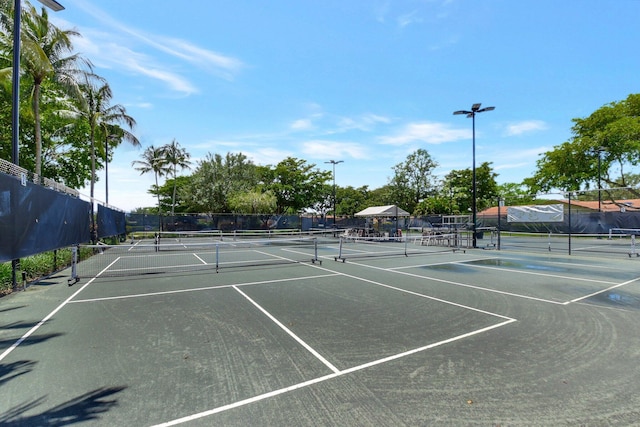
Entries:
{"x":108,"y":138}
{"x":15,"y":78}
{"x":334,"y":163}
{"x":475,"y":109}
{"x":599,"y":150}
{"x":15,"y":97}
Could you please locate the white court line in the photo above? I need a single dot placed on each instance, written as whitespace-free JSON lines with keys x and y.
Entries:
{"x":384,"y":285}
{"x":50,"y":315}
{"x":201,"y":260}
{"x":615,"y":285}
{"x":318,"y":380}
{"x":605,"y":290}
{"x":289,"y":332}
{"x":207,"y":288}
{"x":533,"y":273}
{"x":431,"y":264}
{"x":480,"y":288}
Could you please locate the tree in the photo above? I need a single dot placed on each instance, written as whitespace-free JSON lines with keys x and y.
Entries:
{"x":413,"y":179}
{"x":460,"y":185}
{"x":44,"y":47}
{"x":253,"y":202}
{"x":153,"y":160}
{"x":515,"y":194}
{"x":216,"y":179}
{"x":296,"y":184}
{"x":439,"y":205}
{"x":602,"y":149}
{"x":381,"y":196}
{"x":176,"y":157}
{"x":102,"y":118}
{"x":175,"y":192}
{"x":351,"y":200}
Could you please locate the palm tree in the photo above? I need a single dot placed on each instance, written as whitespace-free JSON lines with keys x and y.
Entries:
{"x":113,"y":134}
{"x":43,"y":59}
{"x":104,"y":119}
{"x":175,"y":157}
{"x":153,"y":160}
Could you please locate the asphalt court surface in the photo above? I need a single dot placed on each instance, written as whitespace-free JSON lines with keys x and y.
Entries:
{"x":478,"y":337}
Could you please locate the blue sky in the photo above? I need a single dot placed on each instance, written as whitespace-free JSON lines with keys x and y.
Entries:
{"x":366,"y":82}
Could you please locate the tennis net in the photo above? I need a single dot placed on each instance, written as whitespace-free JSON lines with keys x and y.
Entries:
{"x":367,"y":247}
{"x":617,"y":242}
{"x":142,"y":258}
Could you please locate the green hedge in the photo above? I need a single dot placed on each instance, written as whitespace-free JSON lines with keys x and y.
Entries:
{"x":35,"y":267}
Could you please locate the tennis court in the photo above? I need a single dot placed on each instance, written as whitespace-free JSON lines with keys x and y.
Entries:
{"x":325,"y":332}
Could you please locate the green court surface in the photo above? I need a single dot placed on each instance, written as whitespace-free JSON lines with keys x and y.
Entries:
{"x":433,"y":337}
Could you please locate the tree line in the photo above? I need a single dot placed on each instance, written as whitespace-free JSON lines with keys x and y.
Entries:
{"x":68,"y":122}
{"x":603,"y":153}
{"x":234,"y":184}
{"x":70,"y":126}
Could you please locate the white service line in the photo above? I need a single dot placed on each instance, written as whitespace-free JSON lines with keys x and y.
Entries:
{"x":206,"y":288}
{"x":605,"y":290}
{"x":201,"y":260}
{"x":362,"y":279}
{"x":50,"y":315}
{"x":533,"y":273}
{"x":289,"y":332}
{"x":464,"y":285}
{"x":324,"y":378}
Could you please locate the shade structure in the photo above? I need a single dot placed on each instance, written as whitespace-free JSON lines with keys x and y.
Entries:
{"x":380,"y":211}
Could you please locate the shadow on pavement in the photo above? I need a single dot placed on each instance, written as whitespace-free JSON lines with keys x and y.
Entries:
{"x":86,"y":407}
{"x":9,"y":371}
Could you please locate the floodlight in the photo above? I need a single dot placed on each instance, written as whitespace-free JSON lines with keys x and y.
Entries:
{"x":475,"y":109}
{"x":52,"y":4}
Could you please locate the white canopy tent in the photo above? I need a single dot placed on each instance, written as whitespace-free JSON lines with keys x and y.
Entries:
{"x":383,"y":211}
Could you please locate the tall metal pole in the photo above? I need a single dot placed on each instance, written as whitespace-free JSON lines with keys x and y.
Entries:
{"x":334,"y":163}
{"x":15,"y":98}
{"x":473,"y":180}
{"x":15,"y":106}
{"x":106,"y":170}
{"x":475,"y":109}
{"x":599,"y":186}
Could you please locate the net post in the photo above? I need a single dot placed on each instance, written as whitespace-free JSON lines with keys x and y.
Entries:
{"x":315,"y":252}
{"x":340,"y":257}
{"x":217,"y":257}
{"x":405,"y":238}
{"x":633,"y":246}
{"x":74,"y":266}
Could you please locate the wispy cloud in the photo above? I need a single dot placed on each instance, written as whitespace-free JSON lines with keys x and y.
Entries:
{"x":324,"y":149}
{"x":527,"y":126}
{"x":365,"y":122}
{"x":120,"y":46}
{"x":380,"y":11}
{"x":268,"y":156}
{"x":301,"y":124}
{"x":428,"y":132}
{"x":409,"y":18}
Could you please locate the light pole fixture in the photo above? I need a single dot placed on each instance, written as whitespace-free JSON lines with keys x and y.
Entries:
{"x":475,"y":109}
{"x":334,"y":163}
{"x":52,"y":4}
